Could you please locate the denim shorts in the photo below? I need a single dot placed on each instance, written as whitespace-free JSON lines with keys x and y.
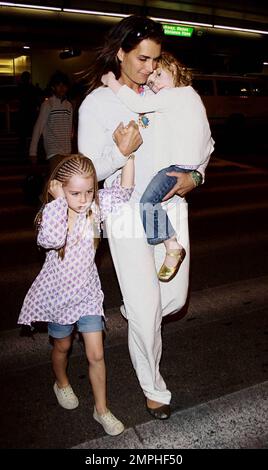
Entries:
{"x":86,"y":324}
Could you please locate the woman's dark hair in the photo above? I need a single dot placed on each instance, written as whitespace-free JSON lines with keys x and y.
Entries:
{"x":126,"y":34}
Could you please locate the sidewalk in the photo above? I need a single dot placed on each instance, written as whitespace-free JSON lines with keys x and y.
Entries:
{"x":234,"y":421}
{"x":215,"y":362}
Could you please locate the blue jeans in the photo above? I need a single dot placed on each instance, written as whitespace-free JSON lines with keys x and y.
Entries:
{"x":86,"y":324}
{"x":155,"y":221}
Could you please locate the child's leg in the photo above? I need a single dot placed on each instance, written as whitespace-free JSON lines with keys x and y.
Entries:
{"x":175,"y":252}
{"x":91,"y":327}
{"x":155,"y":221}
{"x":59,"y":358}
{"x":96,"y":370}
{"x":172,"y":246}
{"x":62,"y":341}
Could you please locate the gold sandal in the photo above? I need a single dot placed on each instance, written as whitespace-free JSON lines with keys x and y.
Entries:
{"x":166,"y":273}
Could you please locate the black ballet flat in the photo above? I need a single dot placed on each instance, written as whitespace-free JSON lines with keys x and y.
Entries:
{"x":162,"y":412}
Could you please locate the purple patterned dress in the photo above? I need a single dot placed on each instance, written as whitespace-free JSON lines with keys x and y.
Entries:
{"x":69,"y":288}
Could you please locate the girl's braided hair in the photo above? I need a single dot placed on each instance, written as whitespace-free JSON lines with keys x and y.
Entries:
{"x":69,"y":166}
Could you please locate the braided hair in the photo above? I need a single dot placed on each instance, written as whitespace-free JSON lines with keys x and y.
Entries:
{"x":75,"y":164}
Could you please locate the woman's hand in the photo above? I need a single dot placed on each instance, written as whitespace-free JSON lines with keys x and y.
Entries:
{"x":55,"y":189}
{"x":184,"y":185}
{"x":127,"y":138}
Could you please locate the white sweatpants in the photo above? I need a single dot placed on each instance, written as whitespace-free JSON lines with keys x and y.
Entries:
{"x":146,"y":299}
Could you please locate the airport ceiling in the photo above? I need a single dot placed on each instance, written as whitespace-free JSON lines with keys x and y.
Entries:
{"x":60,"y":29}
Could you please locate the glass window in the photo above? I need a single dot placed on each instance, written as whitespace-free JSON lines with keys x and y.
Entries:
{"x":233,"y":88}
{"x":259,"y":88}
{"x":203,"y":87}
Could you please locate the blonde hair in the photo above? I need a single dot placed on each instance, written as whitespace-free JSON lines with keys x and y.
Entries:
{"x":75,"y":164}
{"x":180,"y":73}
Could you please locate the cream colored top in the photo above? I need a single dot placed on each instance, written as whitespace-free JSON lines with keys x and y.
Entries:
{"x":181,"y":130}
{"x":99,"y":115}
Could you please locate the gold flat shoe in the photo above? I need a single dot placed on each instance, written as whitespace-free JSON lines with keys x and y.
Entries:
{"x":166,"y":273}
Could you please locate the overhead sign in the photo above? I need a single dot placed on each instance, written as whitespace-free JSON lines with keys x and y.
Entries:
{"x":176,"y":30}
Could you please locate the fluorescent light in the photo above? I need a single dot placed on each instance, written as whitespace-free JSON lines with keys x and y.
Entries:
{"x":245,"y":30}
{"x":122,"y":15}
{"x":95,"y":13}
{"x":209,"y":25}
{"x":26,"y":47}
{"x":25,"y":5}
{"x":165,"y":20}
{"x":265,"y":63}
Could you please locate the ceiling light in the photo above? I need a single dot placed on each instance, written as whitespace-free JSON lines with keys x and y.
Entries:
{"x":25,"y":5}
{"x":244,"y":30}
{"x":122,"y":15}
{"x":96,"y":13}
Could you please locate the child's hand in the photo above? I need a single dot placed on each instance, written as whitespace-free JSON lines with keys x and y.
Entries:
{"x":55,"y":189}
{"x":108,"y":78}
{"x":127,"y":138}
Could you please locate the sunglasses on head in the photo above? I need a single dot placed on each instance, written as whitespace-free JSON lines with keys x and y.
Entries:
{"x":145,"y":31}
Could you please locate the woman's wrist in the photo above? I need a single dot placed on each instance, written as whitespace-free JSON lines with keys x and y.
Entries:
{"x":197,"y":177}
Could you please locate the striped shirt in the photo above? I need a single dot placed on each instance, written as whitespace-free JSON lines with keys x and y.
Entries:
{"x":55,"y":124}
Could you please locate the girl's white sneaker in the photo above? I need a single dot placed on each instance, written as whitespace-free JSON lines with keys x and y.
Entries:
{"x":66,"y":397}
{"x":110,"y":423}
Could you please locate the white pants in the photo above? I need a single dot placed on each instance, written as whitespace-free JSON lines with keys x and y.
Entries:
{"x":146,"y":299}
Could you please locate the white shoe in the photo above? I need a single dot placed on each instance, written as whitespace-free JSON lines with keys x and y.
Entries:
{"x":123,"y":311}
{"x":110,"y":423}
{"x":66,"y":397}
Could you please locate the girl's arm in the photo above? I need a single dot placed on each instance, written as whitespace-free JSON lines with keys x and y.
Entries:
{"x":112,"y":198}
{"x":53,"y":229}
{"x":136,"y":103}
{"x":128,"y":173}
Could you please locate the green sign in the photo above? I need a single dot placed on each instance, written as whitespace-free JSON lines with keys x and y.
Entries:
{"x":175,"y":30}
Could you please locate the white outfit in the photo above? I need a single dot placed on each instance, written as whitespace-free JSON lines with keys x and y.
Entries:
{"x":136,"y":263}
{"x":181,"y":130}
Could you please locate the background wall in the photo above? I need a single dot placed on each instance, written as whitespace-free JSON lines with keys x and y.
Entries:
{"x":46,"y":62}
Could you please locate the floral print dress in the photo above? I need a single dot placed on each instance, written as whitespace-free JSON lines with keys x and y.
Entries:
{"x":69,"y":288}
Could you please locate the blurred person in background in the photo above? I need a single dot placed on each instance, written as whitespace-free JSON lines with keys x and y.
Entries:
{"x":54,"y":123}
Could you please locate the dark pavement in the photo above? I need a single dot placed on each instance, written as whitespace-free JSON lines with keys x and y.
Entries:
{"x":219,"y":348}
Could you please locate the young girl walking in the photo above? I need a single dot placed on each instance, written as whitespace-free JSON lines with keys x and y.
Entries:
{"x":182,"y":140}
{"x":67,"y":291}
